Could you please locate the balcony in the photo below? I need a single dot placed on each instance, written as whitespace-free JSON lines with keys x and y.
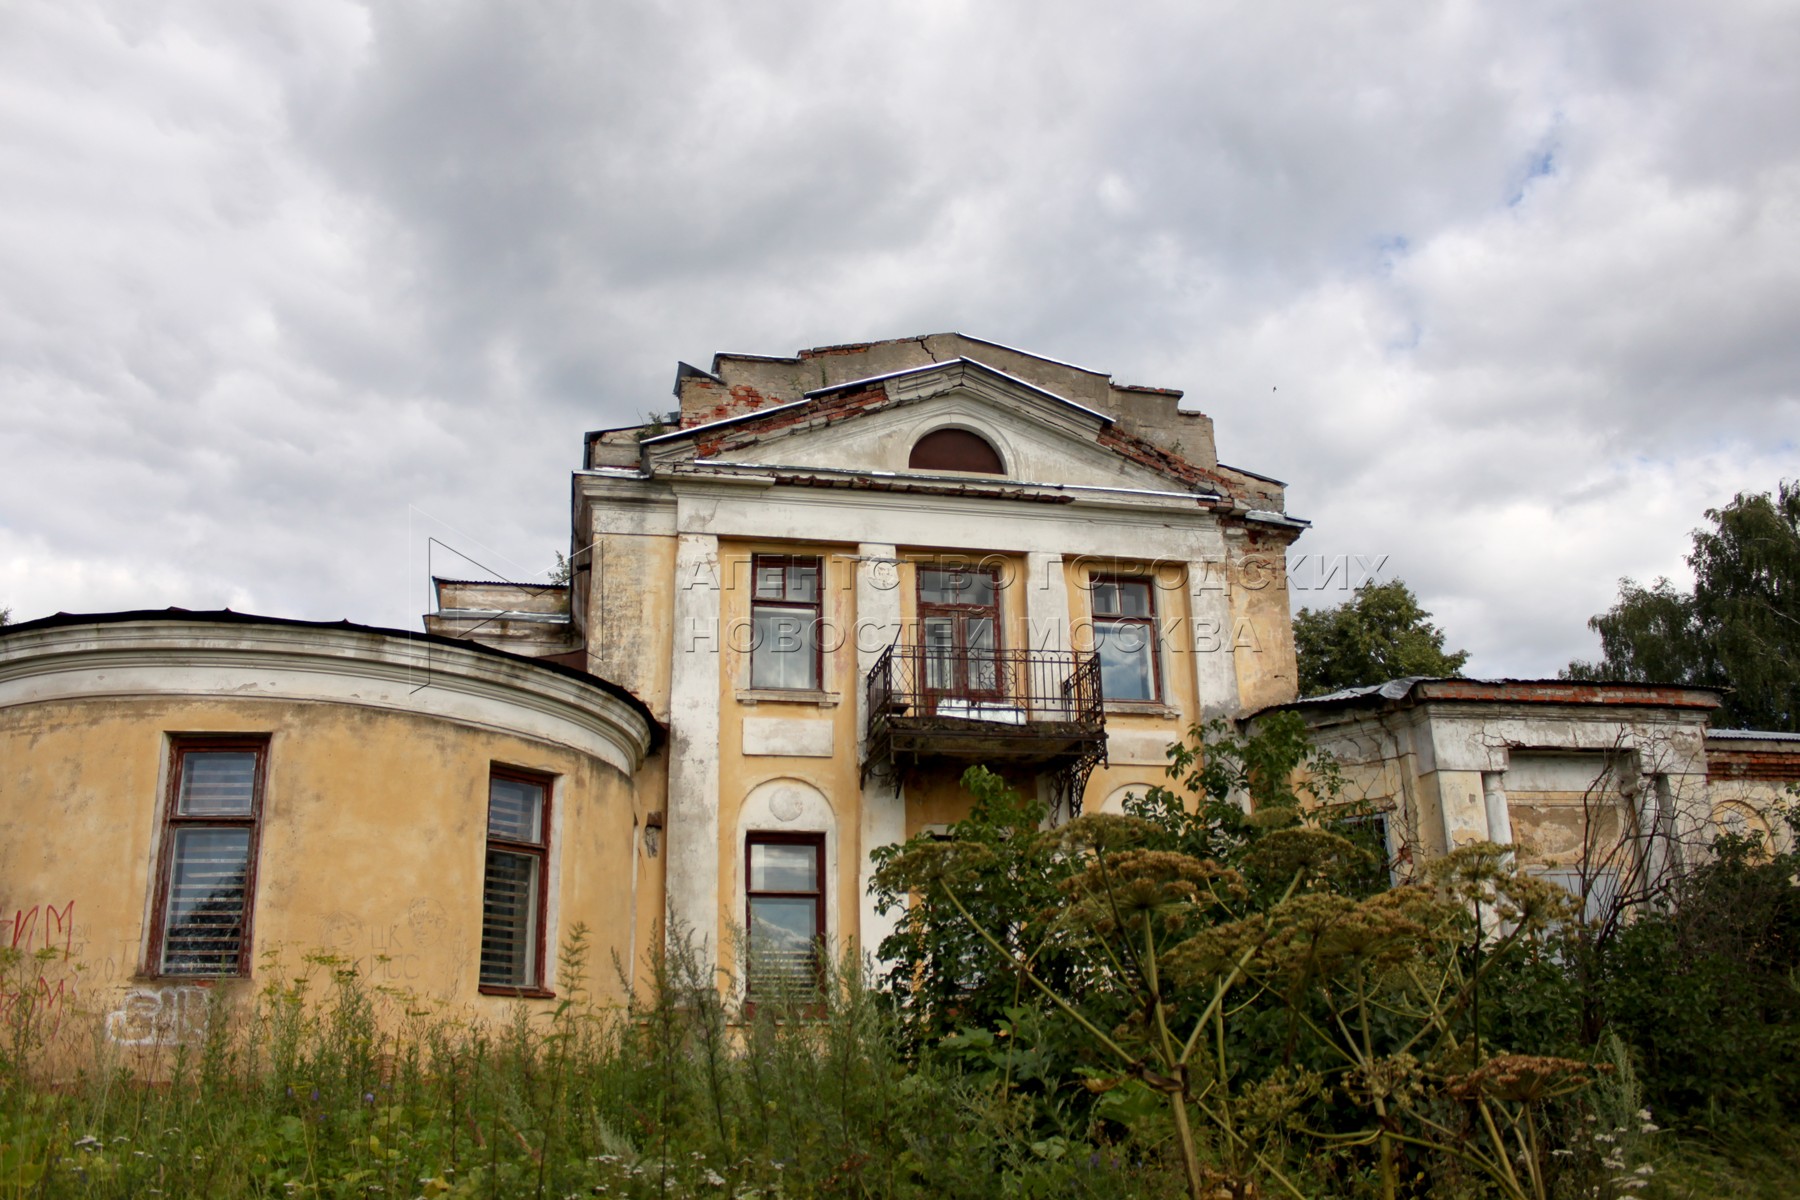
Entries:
{"x":1028,"y":708}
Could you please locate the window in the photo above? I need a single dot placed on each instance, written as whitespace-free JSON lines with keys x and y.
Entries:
{"x":784,"y":618}
{"x":954,"y":450}
{"x":1125,"y":637}
{"x":1596,"y":890}
{"x":207,"y":878}
{"x":784,"y":883}
{"x":1368,"y":831}
{"x":512,"y":895}
{"x":959,"y":617}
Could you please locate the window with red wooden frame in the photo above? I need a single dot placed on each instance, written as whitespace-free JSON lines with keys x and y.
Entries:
{"x":1125,"y":636}
{"x":515,"y":882}
{"x":206,"y":877}
{"x":785,"y":611}
{"x":784,"y":887}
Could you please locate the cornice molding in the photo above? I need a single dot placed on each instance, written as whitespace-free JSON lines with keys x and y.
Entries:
{"x":390,"y":672}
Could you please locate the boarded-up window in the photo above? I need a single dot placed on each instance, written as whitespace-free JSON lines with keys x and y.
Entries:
{"x":955,"y":450}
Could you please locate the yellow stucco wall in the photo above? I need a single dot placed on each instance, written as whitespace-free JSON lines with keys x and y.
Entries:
{"x":629,"y":589}
{"x":372,"y":846}
{"x":1262,"y":635}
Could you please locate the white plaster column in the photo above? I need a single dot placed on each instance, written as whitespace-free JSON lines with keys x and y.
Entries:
{"x":1215,"y":665}
{"x":1493,"y":798}
{"x":693,"y":820}
{"x":1656,"y":820}
{"x":877,"y":625}
{"x":1461,"y":795}
{"x":1046,"y":603}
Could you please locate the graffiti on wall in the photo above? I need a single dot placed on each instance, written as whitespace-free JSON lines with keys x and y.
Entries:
{"x":388,"y":952}
{"x":36,"y":986}
{"x":164,"y":1016}
{"x":42,"y":927}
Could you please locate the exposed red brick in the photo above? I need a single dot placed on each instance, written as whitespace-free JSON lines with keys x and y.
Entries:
{"x":1572,"y":692}
{"x":832,"y":351}
{"x":1163,"y":462}
{"x":1762,"y":766}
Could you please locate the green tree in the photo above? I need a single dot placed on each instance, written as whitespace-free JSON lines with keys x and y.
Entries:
{"x":1740,"y":626}
{"x":1380,"y":633}
{"x":1215,"y":978}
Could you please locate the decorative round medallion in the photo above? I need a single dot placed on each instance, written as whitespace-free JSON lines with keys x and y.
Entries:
{"x":786,"y":805}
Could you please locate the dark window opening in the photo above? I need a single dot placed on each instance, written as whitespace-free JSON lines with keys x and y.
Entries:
{"x":955,"y":450}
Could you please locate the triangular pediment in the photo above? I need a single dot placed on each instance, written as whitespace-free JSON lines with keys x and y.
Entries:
{"x":872,"y":426}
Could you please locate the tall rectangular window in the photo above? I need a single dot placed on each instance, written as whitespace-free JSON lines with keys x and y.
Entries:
{"x":512,"y":895}
{"x":784,"y":618}
{"x":1125,"y":637}
{"x":959,"y":620}
{"x":784,"y":876}
{"x":207,"y":878}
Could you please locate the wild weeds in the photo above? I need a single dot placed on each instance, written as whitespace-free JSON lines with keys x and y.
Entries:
{"x":320,"y":1085}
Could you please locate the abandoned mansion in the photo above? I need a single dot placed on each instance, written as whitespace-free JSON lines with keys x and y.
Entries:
{"x":799,"y":605}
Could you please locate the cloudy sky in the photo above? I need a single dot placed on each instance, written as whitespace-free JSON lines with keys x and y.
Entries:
{"x":1509,"y":292}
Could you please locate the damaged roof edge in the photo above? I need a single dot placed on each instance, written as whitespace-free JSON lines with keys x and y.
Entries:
{"x":733,"y":420}
{"x":1270,"y":517}
{"x":969,"y":337}
{"x":809,"y":397}
{"x":1253,"y":474}
{"x":513,"y":583}
{"x":1397,"y":691}
{"x":687,"y":370}
{"x":926,"y":477}
{"x":772,"y":358}
{"x":1103,"y":418}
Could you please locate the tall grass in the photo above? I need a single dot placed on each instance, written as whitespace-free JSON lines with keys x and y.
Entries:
{"x":321,"y":1085}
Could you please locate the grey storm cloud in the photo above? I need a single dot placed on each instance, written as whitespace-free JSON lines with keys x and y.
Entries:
{"x":1506,"y":292}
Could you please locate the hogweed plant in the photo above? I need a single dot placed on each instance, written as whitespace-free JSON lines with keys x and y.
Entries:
{"x":1230,"y":964}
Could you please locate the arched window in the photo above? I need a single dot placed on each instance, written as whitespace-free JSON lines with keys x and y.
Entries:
{"x":955,"y":450}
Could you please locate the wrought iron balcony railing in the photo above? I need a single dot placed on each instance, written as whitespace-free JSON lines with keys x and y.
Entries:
{"x":1004,"y":705}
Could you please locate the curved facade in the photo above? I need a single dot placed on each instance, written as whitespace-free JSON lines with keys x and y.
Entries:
{"x":190,"y":799}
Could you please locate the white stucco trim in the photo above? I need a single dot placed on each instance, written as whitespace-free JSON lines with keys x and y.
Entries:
{"x":883,"y":806}
{"x":1215,"y":663}
{"x":361,"y":667}
{"x":694,"y":682}
{"x":1155,"y":532}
